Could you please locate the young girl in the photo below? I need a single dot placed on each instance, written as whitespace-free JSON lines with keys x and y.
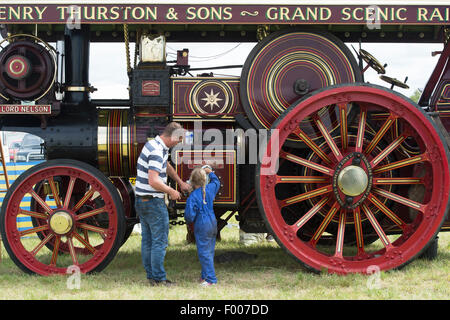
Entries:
{"x":199,"y":211}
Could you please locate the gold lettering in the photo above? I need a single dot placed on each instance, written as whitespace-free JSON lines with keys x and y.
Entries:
{"x":422,"y":14}
{"x":151,"y":13}
{"x":125,"y":13}
{"x":270,"y":15}
{"x":311,"y":13}
{"x":298,"y":14}
{"x":399,"y":17}
{"x":203,"y":13}
{"x":190,"y":13}
{"x":2,"y":13}
{"x":382,"y":14}
{"x":370,"y":13}
{"x":216,"y":14}
{"x":436,"y":14}
{"x":346,"y":14}
{"x":354,"y":14}
{"x":62,"y":12}
{"x":89,"y":13}
{"x":101,"y":13}
{"x":28,"y":13}
{"x":284,"y":14}
{"x":134,"y":13}
{"x":15,"y":12}
{"x":75,"y":13}
{"x":227,"y":13}
{"x":40,"y":12}
{"x":325,"y":13}
{"x":114,"y":13}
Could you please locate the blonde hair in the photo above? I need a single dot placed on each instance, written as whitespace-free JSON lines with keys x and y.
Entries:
{"x":198,"y":180}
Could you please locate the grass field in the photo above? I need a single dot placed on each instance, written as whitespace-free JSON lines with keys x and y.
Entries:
{"x":272,"y":275}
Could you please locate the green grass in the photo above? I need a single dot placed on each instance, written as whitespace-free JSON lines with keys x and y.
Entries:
{"x":272,"y":275}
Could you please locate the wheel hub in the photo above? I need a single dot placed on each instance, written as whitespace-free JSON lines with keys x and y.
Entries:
{"x":61,"y":222}
{"x":18,"y":67}
{"x":352,"y":181}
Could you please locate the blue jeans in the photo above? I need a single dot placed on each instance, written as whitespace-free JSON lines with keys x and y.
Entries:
{"x":154,"y":219}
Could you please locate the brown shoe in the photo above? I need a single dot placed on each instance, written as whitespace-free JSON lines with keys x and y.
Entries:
{"x":166,"y":283}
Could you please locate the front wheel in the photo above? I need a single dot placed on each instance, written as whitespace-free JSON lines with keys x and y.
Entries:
{"x":78,"y":220}
{"x":363,"y":192}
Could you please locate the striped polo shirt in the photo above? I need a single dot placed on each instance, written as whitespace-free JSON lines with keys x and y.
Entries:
{"x":153,"y":156}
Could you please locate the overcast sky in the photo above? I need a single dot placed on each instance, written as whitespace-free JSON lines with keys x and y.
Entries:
{"x":108,"y":63}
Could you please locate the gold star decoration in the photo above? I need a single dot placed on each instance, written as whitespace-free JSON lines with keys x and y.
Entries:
{"x":212,"y":99}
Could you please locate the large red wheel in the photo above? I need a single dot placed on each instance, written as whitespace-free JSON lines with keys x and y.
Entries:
{"x":86,"y":220}
{"x":361,"y":183}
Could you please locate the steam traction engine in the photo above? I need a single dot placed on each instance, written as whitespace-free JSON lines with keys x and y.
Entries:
{"x":353,"y":175}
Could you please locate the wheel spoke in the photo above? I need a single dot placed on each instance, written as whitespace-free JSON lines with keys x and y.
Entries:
{"x":400,"y":199}
{"x":90,"y":213}
{"x":73,"y":255}
{"x":302,"y":179}
{"x":22,"y":84}
{"x":380,"y":134}
{"x":310,"y":143}
{"x":33,"y":214}
{"x":55,"y":251}
{"x":306,"y":163}
{"x":85,"y":242}
{"x":33,"y":230}
{"x":358,"y":230}
{"x":39,"y":200}
{"x":86,"y":235}
{"x":69,"y":192}
{"x":340,"y":234}
{"x":323,"y":226}
{"x":92,"y":228}
{"x":383,"y":154}
{"x":328,"y":138}
{"x":343,"y":124}
{"x":390,"y":181}
{"x":83,"y":200}
{"x":305,"y":196}
{"x":55,"y":192}
{"x":400,"y":164}
{"x":383,"y":237}
{"x":41,"y":244}
{"x":39,"y":68}
{"x":301,"y":222}
{"x":399,"y":222}
{"x":361,"y":130}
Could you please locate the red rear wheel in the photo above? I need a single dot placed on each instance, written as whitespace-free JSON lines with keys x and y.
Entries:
{"x":370,"y":189}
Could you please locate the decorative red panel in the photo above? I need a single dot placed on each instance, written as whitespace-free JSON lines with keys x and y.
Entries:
{"x":205,"y":98}
{"x":224,"y":168}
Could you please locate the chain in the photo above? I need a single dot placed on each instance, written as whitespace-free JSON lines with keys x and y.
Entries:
{"x":175,"y":217}
{"x":127,"y":47}
{"x":180,"y":223}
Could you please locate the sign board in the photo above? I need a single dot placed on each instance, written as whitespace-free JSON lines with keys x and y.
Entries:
{"x":213,"y":14}
{"x":25,"y":109}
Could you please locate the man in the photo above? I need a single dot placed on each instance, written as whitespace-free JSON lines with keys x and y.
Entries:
{"x":151,"y":185}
